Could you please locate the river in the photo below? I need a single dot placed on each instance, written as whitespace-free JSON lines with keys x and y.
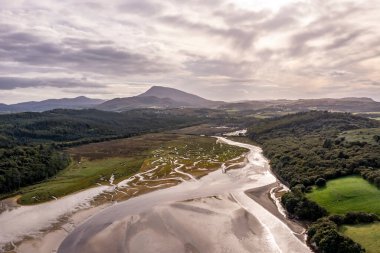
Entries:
{"x":212,"y":214}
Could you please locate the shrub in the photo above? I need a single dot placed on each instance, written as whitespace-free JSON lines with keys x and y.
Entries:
{"x":325,"y":236}
{"x":298,"y":205}
{"x":320,"y":182}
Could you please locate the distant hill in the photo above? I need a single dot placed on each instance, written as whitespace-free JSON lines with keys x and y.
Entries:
{"x":4,"y":108}
{"x":159,"y":97}
{"x":178,"y":95}
{"x":81,"y":102}
{"x":128,"y":103}
{"x":350,"y":104}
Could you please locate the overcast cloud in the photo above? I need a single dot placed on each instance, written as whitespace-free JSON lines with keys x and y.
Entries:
{"x":219,"y":49}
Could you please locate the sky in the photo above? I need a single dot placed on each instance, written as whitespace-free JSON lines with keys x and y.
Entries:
{"x":219,"y":49}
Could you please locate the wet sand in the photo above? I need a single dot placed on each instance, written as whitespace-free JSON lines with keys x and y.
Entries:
{"x":225,"y":211}
{"x":213,"y":214}
{"x":262,"y":196}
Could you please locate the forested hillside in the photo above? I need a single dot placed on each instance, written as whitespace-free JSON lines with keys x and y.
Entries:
{"x":305,"y":146}
{"x":31,"y":143}
{"x":62,"y":126}
{"x":21,"y":166}
{"x":306,"y":149}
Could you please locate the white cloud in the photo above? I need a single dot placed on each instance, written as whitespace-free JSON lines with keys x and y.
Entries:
{"x":260,"y":49}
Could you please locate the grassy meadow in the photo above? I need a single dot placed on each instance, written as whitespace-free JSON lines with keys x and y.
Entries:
{"x":95,"y":163}
{"x":367,"y":235}
{"x":347,"y":194}
{"x":362,"y":135}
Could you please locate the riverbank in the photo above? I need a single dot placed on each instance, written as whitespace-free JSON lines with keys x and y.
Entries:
{"x":263,"y":196}
{"x":44,"y":225}
{"x":169,"y":220}
{"x":219,"y":199}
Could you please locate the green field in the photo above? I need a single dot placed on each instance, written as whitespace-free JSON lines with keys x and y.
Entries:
{"x":367,"y":235}
{"x":347,"y":194}
{"x":362,"y":135}
{"x":95,"y":163}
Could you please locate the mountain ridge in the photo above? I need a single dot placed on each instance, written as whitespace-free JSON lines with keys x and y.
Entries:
{"x":80,"y":102}
{"x":160,"y":97}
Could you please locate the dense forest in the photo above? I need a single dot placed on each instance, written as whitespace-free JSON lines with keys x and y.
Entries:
{"x":307,"y":149}
{"x":306,"y":146}
{"x":62,"y":126}
{"x":31,"y":144}
{"x":21,"y":166}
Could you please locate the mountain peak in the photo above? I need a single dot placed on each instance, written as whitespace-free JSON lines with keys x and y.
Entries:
{"x":178,"y":95}
{"x":161,"y":91}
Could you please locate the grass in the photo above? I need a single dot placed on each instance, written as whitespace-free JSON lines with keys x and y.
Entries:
{"x":346,"y":194}
{"x":95,"y":163}
{"x":363,"y":135}
{"x":80,"y":176}
{"x":367,"y":235}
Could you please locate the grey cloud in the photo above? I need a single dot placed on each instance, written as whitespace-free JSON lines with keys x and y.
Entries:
{"x":96,"y":56}
{"x":286,"y":17}
{"x":10,"y":83}
{"x":141,"y":7}
{"x":91,"y":5}
{"x":299,"y":41}
{"x":240,"y":38}
{"x":198,"y":3}
{"x":344,"y":40}
{"x":219,"y":67}
{"x":234,"y":16}
{"x":81,"y":42}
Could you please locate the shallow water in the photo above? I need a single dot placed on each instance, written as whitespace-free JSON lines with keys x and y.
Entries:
{"x":212,"y":214}
{"x":30,"y":220}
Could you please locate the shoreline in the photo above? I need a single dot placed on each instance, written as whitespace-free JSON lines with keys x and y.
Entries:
{"x":51,"y":240}
{"x":262,"y":196}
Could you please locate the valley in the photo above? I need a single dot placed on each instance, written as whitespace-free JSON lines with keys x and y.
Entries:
{"x":219,"y":126}
{"x":71,"y":167}
{"x":113,"y":171}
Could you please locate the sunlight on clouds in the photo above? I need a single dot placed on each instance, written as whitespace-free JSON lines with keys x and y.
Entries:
{"x":207,"y":47}
{"x":263,"y":4}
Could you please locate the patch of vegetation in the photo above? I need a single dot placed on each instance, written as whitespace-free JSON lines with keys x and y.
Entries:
{"x":368,"y":135}
{"x":95,"y":163}
{"x":23,"y":161}
{"x":347,"y":194}
{"x":366,"y":234}
{"x":309,"y":148}
{"x":23,"y":165}
{"x":323,"y":235}
{"x":302,"y":208}
{"x":79,"y":176}
{"x":306,"y":146}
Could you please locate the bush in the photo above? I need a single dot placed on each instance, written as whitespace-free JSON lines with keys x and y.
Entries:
{"x":325,"y":236}
{"x":320,"y":182}
{"x":298,"y":205}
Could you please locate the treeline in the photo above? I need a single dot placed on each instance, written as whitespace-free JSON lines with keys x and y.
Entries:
{"x":24,"y":162}
{"x":323,"y":236}
{"x":307,"y":149}
{"x":31,"y":143}
{"x":62,"y":125}
{"x":306,"y":146}
{"x":296,"y":204}
{"x":22,"y":166}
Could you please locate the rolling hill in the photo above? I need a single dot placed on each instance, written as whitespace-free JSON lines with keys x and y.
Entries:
{"x":81,"y":102}
{"x":350,"y":104}
{"x":159,"y":97}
